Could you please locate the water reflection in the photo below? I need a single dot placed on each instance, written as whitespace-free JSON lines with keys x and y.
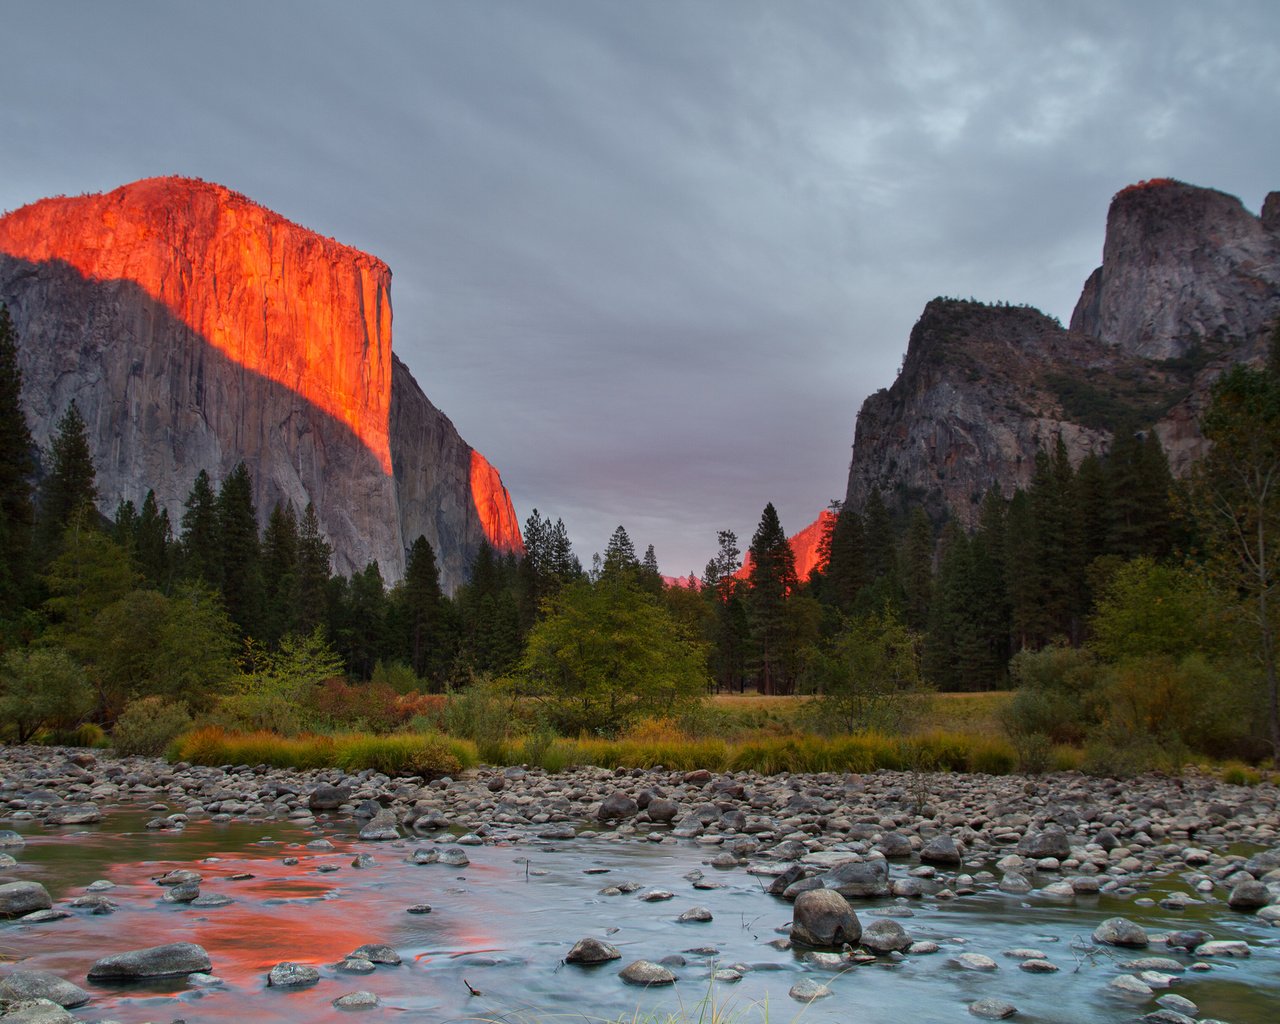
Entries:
{"x":502,"y":925}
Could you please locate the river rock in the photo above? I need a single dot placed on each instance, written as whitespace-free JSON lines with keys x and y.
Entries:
{"x":644,"y":972}
{"x":454,"y":857}
{"x":172,"y":960}
{"x":694,"y":914}
{"x":288,"y":974}
{"x":974,"y":962}
{"x":382,"y":827}
{"x":884,"y":936}
{"x":992,"y":1009}
{"x":1131,"y":985}
{"x":42,"y":985}
{"x":10,"y":840}
{"x":894,"y":845}
{"x":1225,"y":947}
{"x":940,"y":850}
{"x":806,"y":990}
{"x":328,"y":798}
{"x":74,"y":814}
{"x":822,"y":917}
{"x":1052,"y":842}
{"x":1120,"y":931}
{"x":868,"y":879}
{"x":355,"y":965}
{"x":184,"y":893}
{"x":592,"y":951}
{"x":378,"y":953}
{"x":617,"y":806}
{"x":1249,"y":896}
{"x":36,"y":1011}
{"x":662,"y":809}
{"x":18,"y":898}
{"x":357,"y":1001}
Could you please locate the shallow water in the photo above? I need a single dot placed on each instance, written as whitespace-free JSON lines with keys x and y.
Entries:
{"x":503,"y":925}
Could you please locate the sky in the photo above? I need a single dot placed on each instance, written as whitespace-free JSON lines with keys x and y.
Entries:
{"x":651,"y":257}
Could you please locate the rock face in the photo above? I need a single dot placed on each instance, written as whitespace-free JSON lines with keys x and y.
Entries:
{"x":195,"y":329}
{"x":1189,"y":284}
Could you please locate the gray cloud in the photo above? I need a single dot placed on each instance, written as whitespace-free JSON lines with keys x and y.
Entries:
{"x":651,"y":257}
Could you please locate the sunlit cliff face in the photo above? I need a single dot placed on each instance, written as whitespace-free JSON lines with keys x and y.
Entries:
{"x":493,"y":506}
{"x":277,"y":299}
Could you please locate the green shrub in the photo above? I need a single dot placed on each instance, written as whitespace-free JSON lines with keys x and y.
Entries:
{"x":149,"y":725}
{"x":90,"y":734}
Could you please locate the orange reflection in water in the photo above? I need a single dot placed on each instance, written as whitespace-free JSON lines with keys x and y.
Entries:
{"x":300,"y":309}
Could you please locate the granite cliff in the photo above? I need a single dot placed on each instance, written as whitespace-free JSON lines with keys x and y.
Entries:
{"x":1189,"y":284}
{"x":195,"y":329}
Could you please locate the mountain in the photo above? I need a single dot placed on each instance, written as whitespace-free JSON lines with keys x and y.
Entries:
{"x":1189,"y":285}
{"x":195,"y":329}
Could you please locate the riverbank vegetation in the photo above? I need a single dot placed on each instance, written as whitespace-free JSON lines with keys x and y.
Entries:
{"x":1133,"y":618}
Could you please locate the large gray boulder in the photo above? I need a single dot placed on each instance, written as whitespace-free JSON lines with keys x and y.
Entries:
{"x":822,"y":917}
{"x":592,"y":951}
{"x":41,"y":985}
{"x":1120,"y":931}
{"x":172,"y":960}
{"x":328,"y":798}
{"x":617,"y":806}
{"x":867,"y":879}
{"x":36,"y":1011}
{"x":940,"y":850}
{"x":885,"y":936}
{"x":18,"y":898}
{"x":1052,"y":842}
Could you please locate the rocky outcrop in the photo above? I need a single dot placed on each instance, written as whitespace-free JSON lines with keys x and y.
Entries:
{"x":1181,"y":266}
{"x":195,"y":329}
{"x":1190,"y":283}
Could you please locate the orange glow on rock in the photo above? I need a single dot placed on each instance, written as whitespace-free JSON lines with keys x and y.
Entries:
{"x":300,"y":309}
{"x":805,"y":546}
{"x":493,"y":506}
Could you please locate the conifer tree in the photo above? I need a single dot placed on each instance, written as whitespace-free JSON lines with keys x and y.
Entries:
{"x":280,"y":574}
{"x":620,"y":556}
{"x":770,"y":585}
{"x":650,"y":577}
{"x":847,"y":570}
{"x":201,"y":542}
{"x":153,"y":541}
{"x":423,"y":608}
{"x":314,"y":571}
{"x":991,"y":595}
{"x":364,"y":639}
{"x":70,"y":489}
{"x":241,"y":552}
{"x":728,"y":624}
{"x":917,"y":569}
{"x":17,"y":466}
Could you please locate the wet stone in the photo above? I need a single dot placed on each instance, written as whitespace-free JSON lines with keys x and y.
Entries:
{"x":992,"y":1009}
{"x":590,"y":950}
{"x":645,"y":972}
{"x":288,"y":974}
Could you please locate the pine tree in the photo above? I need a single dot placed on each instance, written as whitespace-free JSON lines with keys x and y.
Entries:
{"x":728,"y":624}
{"x":423,"y":608}
{"x":17,"y":466}
{"x":620,"y":556}
{"x":364,"y":641}
{"x":991,"y":595}
{"x":847,"y":570}
{"x":879,"y":547}
{"x":917,"y":569}
{"x":1021,"y":578}
{"x":1094,"y":501}
{"x":314,"y":571}
{"x":650,"y":577}
{"x":279,"y":574}
{"x":201,"y":542}
{"x":153,"y":541}
{"x":241,"y":551}
{"x":770,"y":585}
{"x":70,"y":489}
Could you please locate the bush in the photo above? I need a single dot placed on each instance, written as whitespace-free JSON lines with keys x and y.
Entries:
{"x":1057,"y":696}
{"x":89,"y":734}
{"x":41,"y":688}
{"x":149,"y":725}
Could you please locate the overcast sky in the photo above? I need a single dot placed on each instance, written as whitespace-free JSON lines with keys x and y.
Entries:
{"x":651,"y":256}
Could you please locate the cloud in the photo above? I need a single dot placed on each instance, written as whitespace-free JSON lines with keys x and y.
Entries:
{"x":651,"y":257}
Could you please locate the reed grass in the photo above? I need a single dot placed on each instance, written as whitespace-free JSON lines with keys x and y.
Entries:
{"x":425,"y":754}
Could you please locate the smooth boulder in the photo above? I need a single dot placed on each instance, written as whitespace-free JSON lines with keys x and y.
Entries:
{"x":41,"y":985}
{"x":868,"y":879}
{"x":18,"y":898}
{"x":1120,"y":931}
{"x":172,"y":960}
{"x":822,"y":917}
{"x":592,"y":951}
